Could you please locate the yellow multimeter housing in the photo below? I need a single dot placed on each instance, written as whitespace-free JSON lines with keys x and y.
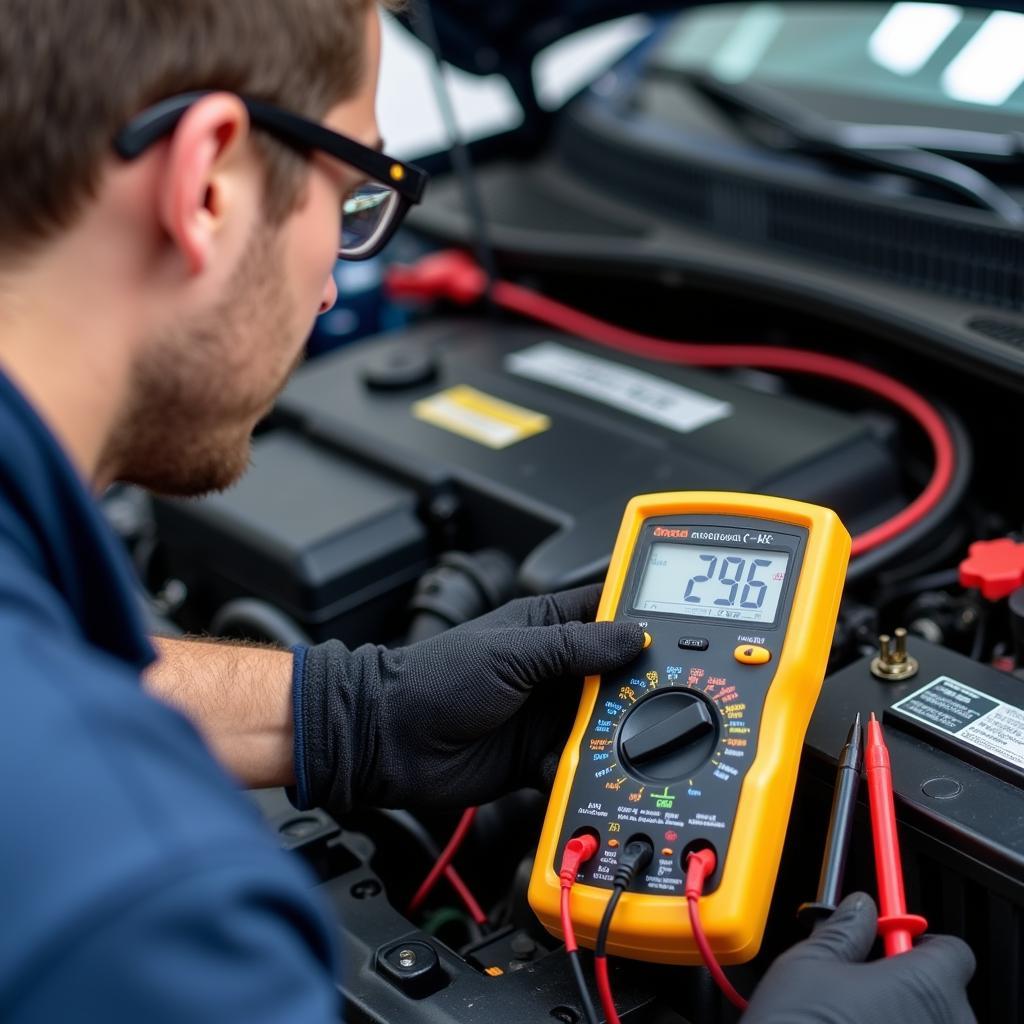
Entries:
{"x":698,"y":742}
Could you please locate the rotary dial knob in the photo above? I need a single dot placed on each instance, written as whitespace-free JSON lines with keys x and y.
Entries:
{"x":668,"y":736}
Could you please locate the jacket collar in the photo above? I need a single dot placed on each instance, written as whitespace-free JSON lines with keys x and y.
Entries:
{"x":47,"y":512}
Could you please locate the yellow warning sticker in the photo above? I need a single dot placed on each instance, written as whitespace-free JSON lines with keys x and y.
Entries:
{"x":480,"y":417}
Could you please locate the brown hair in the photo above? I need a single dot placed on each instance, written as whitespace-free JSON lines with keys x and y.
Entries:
{"x":72,"y":73}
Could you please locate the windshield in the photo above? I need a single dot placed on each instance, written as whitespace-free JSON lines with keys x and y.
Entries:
{"x":915,"y":61}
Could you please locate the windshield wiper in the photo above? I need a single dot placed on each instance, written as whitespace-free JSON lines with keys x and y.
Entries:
{"x":907,"y":150}
{"x":991,"y":147}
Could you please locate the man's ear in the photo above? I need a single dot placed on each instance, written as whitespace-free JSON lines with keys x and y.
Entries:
{"x":201,"y":182}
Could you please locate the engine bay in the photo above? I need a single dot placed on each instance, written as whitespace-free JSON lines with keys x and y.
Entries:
{"x":415,"y":479}
{"x":361,"y":520}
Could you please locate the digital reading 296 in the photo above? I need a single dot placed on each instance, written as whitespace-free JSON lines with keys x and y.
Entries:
{"x":712,"y":582}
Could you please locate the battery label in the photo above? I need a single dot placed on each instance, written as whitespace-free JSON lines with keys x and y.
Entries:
{"x":480,"y":417}
{"x":971,"y":716}
{"x":623,"y":387}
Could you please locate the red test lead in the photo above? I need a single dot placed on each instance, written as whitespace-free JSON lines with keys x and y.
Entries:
{"x":700,"y":866}
{"x":897,"y":928}
{"x":577,"y":852}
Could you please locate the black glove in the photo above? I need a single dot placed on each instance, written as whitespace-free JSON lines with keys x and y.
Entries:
{"x":823,"y":980}
{"x":454,"y":720}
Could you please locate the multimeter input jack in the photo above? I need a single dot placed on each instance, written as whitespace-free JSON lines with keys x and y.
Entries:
{"x":587,"y":831}
{"x":695,"y":847}
{"x":636,"y":855}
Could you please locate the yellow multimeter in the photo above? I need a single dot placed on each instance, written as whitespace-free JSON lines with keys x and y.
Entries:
{"x":698,"y":742}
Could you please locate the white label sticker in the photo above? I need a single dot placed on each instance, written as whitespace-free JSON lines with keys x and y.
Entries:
{"x":970,"y":715}
{"x":623,"y":387}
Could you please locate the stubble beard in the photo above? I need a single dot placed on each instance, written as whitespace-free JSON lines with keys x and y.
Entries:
{"x":198,"y":390}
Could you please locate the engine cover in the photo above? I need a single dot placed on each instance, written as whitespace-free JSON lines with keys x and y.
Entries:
{"x":506,"y":437}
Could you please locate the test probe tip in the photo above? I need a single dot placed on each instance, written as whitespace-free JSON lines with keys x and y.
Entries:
{"x":854,"y":736}
{"x":840,"y":829}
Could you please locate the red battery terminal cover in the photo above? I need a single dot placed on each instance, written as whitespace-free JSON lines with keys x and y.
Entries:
{"x":995,"y":567}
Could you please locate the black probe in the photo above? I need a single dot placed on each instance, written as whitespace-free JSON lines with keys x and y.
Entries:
{"x":840,"y":829}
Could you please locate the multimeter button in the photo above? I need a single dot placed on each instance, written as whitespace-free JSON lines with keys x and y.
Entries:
{"x":746,"y":654}
{"x":693,"y":643}
{"x":648,"y":640}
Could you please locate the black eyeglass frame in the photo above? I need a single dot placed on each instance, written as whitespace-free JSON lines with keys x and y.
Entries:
{"x":407,"y":180}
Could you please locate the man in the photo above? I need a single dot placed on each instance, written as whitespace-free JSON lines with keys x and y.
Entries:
{"x":165,"y":239}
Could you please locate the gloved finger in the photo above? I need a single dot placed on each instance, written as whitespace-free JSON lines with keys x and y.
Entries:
{"x":576,"y":605}
{"x":943,"y":960}
{"x":526,"y":657}
{"x":847,"y":935}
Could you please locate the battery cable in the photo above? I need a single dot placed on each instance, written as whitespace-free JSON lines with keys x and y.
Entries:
{"x":452,"y":274}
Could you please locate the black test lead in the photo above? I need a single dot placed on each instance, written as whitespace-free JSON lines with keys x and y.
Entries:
{"x":840,"y":828}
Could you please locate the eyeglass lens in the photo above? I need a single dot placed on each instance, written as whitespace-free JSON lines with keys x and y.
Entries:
{"x":365,"y":214}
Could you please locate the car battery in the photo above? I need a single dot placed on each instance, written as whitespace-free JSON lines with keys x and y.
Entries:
{"x":955,"y":732}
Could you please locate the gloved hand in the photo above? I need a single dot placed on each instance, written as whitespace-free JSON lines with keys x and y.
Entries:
{"x":454,"y":720}
{"x":823,"y":980}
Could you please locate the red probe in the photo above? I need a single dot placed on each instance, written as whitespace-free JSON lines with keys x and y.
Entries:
{"x":897,"y":928}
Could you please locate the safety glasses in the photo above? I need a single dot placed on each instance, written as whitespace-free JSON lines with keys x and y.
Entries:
{"x":370,"y":214}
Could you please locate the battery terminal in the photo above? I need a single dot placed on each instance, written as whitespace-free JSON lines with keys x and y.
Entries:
{"x":893,"y":663}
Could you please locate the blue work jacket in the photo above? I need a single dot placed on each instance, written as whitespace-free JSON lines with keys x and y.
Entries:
{"x":136,"y":883}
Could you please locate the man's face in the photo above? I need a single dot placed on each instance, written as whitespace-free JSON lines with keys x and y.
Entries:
{"x":201,"y":387}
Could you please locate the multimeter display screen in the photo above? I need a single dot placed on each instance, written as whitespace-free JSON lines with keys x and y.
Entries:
{"x":715,"y":583}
